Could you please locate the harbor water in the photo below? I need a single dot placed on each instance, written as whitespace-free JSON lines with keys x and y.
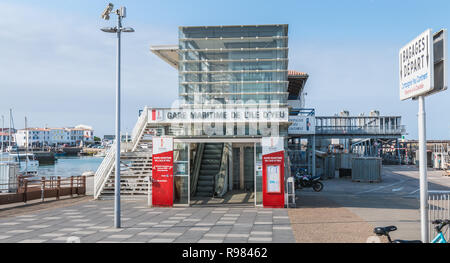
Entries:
{"x":70,"y":166}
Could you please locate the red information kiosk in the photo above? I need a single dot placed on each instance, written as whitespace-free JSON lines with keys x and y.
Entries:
{"x":162,"y":171}
{"x":273,"y":171}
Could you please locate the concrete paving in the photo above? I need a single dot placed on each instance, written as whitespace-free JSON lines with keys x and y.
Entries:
{"x":394,"y":201}
{"x":319,"y":219}
{"x":92,"y":222}
{"x":344,"y":211}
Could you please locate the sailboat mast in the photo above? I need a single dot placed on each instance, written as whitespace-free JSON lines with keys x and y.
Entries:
{"x":26,"y":148}
{"x":9,"y":130}
{"x":3,"y":129}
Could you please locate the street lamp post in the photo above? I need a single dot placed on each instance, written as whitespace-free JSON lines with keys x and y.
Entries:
{"x":121,"y":13}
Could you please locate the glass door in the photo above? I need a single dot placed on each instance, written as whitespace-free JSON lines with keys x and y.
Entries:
{"x":181,"y":187}
{"x":258,"y":175}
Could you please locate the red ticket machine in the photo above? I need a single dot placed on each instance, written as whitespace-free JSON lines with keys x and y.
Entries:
{"x":273,"y":171}
{"x":162,"y":171}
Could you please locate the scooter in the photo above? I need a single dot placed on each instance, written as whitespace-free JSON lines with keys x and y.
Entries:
{"x":304,"y":181}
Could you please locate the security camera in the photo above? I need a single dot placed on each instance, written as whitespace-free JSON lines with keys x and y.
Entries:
{"x":122,"y":12}
{"x":107,"y":11}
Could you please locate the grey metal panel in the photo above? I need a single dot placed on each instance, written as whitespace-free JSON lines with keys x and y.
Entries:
{"x":236,"y":167}
{"x":346,"y":160}
{"x":8,"y":177}
{"x":330,"y":166}
{"x":249,"y":168}
{"x":366,"y":169}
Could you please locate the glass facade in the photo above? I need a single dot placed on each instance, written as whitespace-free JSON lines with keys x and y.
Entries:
{"x":229,"y":64}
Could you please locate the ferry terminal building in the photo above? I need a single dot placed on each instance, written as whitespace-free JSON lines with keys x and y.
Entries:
{"x":234,"y":136}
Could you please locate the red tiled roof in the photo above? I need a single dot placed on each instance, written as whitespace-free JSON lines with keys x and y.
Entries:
{"x":37,"y":129}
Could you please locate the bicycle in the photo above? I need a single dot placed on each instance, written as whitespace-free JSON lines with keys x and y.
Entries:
{"x":440,"y":224}
{"x":384,"y":231}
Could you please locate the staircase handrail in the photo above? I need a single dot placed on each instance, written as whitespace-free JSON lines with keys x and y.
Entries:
{"x":104,"y":170}
{"x":196,"y":171}
{"x":139,"y":128}
{"x":220,"y":189}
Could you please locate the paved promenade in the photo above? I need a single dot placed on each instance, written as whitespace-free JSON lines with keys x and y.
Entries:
{"x":92,"y":222}
{"x":344,"y":211}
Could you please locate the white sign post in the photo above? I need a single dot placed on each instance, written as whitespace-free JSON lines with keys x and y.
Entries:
{"x":417,"y":81}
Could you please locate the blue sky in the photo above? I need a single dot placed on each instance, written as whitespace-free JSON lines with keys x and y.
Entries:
{"x":57,"y":68}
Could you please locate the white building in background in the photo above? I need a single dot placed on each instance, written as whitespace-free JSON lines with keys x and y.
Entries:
{"x":36,"y":137}
{"x":87,"y":132}
{"x":72,"y":136}
{"x":4,"y":138}
{"x":59,"y":136}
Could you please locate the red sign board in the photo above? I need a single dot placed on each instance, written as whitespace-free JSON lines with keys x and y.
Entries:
{"x":273,"y":172}
{"x":162,"y":171}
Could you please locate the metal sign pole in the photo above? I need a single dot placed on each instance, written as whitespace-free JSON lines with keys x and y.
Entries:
{"x":313,"y":162}
{"x":3,"y":130}
{"x":121,"y":13}
{"x":423,"y":171}
{"x":118,"y":139}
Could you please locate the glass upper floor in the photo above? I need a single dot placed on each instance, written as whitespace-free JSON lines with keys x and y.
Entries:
{"x":229,"y":63}
{"x":236,"y":31}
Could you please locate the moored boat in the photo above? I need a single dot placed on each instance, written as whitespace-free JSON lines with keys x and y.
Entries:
{"x":27,"y":162}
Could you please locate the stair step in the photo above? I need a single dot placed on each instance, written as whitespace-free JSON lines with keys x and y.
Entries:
{"x":213,"y":145}
{"x":210,"y":161}
{"x":209,"y":178}
{"x":208,"y":170}
{"x":204,"y":194}
{"x":203,"y":189}
{"x":205,"y":182}
{"x":212,"y":152}
{"x":207,"y":173}
{"x":212,"y":156}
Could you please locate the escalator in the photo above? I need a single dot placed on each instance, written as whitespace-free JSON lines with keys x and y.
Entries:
{"x":209,"y":167}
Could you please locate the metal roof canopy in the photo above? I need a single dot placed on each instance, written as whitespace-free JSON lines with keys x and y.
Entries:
{"x":297,"y":81}
{"x":168,"y":53}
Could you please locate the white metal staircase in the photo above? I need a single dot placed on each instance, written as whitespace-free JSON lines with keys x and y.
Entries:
{"x":135,"y":167}
{"x":135,"y":170}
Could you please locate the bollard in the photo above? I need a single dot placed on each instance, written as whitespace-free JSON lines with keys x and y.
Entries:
{"x":77,"y":187}
{"x":58,"y":187}
{"x":25,"y":189}
{"x":71,"y":186}
{"x":19,"y":185}
{"x":149,"y":196}
{"x":84,"y":184}
{"x":42,"y":189}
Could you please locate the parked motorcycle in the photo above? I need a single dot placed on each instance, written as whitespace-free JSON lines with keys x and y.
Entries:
{"x":305,"y":181}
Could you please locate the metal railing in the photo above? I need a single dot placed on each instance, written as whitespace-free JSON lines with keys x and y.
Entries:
{"x":220,"y":179}
{"x":359,"y":125}
{"x":107,"y":165}
{"x":103,"y":171}
{"x":196,"y":171}
{"x":139,"y":128}
{"x":40,"y":188}
{"x":438,"y":208}
{"x":359,"y":130}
